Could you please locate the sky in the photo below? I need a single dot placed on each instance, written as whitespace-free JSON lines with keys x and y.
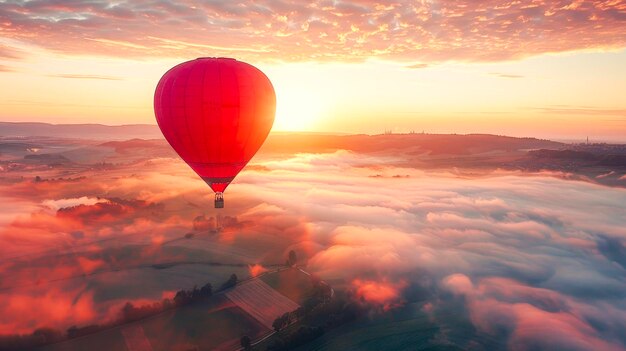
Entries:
{"x":542,"y":68}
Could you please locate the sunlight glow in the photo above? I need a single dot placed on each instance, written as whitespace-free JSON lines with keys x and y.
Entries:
{"x":297,"y":110}
{"x":530,"y":97}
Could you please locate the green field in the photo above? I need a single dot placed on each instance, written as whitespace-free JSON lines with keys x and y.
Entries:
{"x":209,"y":324}
{"x":179,"y":258}
{"x":292,"y":283}
{"x":406,"y":328}
{"x":107,"y":340}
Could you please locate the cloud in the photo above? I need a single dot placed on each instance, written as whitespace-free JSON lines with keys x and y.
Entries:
{"x":534,"y":317}
{"x":379,"y":293}
{"x":13,"y":207}
{"x":516,"y":250}
{"x":354,"y":248}
{"x":418,"y":66}
{"x":256,"y":269}
{"x":425,"y":31}
{"x":9,"y":52}
{"x":56,"y":205}
{"x":604,"y":175}
{"x":84,"y":76}
{"x":506,"y":251}
{"x":581,"y":111}
{"x":506,"y":75}
{"x":54,"y":307}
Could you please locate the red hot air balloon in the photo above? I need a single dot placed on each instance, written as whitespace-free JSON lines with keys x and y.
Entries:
{"x":216,"y":114}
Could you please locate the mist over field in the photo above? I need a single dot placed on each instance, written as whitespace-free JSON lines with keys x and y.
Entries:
{"x":529,"y":260}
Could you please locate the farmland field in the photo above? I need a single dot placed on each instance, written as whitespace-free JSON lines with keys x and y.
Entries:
{"x":261,"y":301}
{"x":107,"y":340}
{"x":211,"y":324}
{"x":136,"y":338}
{"x":292,"y":283}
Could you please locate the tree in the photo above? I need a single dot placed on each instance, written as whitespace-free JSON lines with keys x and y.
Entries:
{"x":75,"y":332}
{"x":246,"y":343}
{"x":195,"y":293}
{"x":277,"y":344}
{"x":166,"y":303}
{"x":293,"y":259}
{"x":128,"y":312}
{"x":48,"y":335}
{"x":232,"y":281}
{"x":206,"y":290}
{"x":282,"y":321}
{"x":182,"y":297}
{"x":72,"y":331}
{"x":278,"y":324}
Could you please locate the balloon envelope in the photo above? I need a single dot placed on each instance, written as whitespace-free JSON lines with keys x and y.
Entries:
{"x":216,"y":114}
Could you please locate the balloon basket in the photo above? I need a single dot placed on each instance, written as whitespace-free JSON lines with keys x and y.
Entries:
{"x":219,"y":200}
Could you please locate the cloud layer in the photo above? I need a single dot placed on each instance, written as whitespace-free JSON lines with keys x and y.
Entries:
{"x":322,"y":30}
{"x":533,"y":261}
{"x":537,"y":262}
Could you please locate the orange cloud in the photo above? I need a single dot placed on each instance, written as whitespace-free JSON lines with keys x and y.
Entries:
{"x":53,"y":308}
{"x":381,"y":293}
{"x":424,"y":31}
{"x":89,"y":265}
{"x":256,"y":269}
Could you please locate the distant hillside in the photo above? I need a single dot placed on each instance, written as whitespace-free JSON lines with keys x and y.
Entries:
{"x":79,"y":131}
{"x":410,"y":144}
{"x":434,"y":144}
{"x":589,"y":158}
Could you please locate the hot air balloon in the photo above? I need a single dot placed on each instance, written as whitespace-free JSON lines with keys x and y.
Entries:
{"x":216,"y":114}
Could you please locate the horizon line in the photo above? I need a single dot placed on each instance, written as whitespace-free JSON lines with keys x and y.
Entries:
{"x":563,"y":138}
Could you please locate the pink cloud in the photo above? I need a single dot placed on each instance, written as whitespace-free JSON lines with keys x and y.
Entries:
{"x":535,"y":317}
{"x":459,"y":283}
{"x":554,"y":330}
